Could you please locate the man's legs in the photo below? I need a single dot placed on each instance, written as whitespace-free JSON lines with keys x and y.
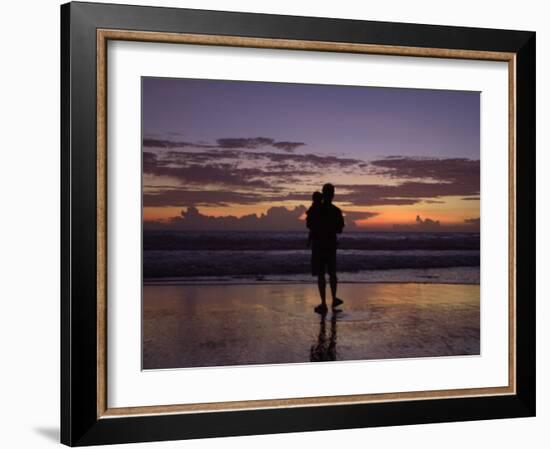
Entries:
{"x":322,"y":284}
{"x":333,"y":285}
{"x":331,"y":265}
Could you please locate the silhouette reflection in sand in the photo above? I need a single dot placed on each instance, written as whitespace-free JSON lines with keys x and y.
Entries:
{"x":325,"y":349}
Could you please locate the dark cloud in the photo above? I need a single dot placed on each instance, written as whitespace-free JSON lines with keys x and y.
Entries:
{"x":312,"y":160}
{"x":267,"y":173}
{"x":149,"y":161}
{"x":358,"y":215}
{"x":200,"y":157}
{"x":174,"y":197}
{"x":281,"y":160}
{"x":164,"y":143}
{"x":429,"y":179}
{"x":420,"y":224}
{"x":289,"y":147}
{"x":222,"y":174}
{"x":244,"y":142}
{"x":247,"y":143}
{"x":378,"y":194}
{"x":352,"y":216}
{"x":170,"y":196}
{"x":275,"y":219}
{"x":232,"y":170}
{"x":428,"y":222}
{"x":218,"y":174}
{"x":453,"y":170}
{"x":256,"y":143}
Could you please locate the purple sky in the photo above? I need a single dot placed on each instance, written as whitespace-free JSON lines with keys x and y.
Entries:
{"x":362,"y":122}
{"x":254,"y":149}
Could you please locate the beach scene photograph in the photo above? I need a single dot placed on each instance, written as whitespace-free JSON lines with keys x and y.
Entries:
{"x":303,"y":223}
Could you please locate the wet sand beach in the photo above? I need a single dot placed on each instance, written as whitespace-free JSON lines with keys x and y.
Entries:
{"x":220,"y":325}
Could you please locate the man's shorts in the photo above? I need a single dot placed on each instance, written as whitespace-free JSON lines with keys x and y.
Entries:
{"x":323,"y":260}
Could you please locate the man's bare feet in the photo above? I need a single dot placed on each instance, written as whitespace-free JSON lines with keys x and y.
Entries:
{"x":321,"y":308}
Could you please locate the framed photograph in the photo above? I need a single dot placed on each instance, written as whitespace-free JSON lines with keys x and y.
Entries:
{"x":282,"y":224}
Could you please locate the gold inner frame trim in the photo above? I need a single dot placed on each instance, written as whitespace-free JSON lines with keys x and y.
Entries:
{"x":103,"y":36}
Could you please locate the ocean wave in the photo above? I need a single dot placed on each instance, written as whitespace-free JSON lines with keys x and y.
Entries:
{"x":255,"y":264}
{"x":267,"y":241}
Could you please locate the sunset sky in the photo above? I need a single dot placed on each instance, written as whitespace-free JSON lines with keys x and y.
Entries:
{"x":247,"y":155}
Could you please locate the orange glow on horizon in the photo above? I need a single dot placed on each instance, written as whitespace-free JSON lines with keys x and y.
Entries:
{"x":451,"y":211}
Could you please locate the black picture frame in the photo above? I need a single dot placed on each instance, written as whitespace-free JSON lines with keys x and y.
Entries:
{"x":80,"y":423}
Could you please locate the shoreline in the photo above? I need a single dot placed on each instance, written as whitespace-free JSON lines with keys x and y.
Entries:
{"x":151,"y":283}
{"x":459,"y":275}
{"x":251,"y":271}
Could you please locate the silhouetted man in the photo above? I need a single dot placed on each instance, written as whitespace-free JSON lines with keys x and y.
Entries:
{"x":324,"y":222}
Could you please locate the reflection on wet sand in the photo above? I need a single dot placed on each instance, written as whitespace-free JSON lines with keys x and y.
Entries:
{"x":325,"y":350}
{"x":220,"y":325}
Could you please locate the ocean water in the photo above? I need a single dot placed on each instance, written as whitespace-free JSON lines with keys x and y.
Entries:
{"x":172,"y":257}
